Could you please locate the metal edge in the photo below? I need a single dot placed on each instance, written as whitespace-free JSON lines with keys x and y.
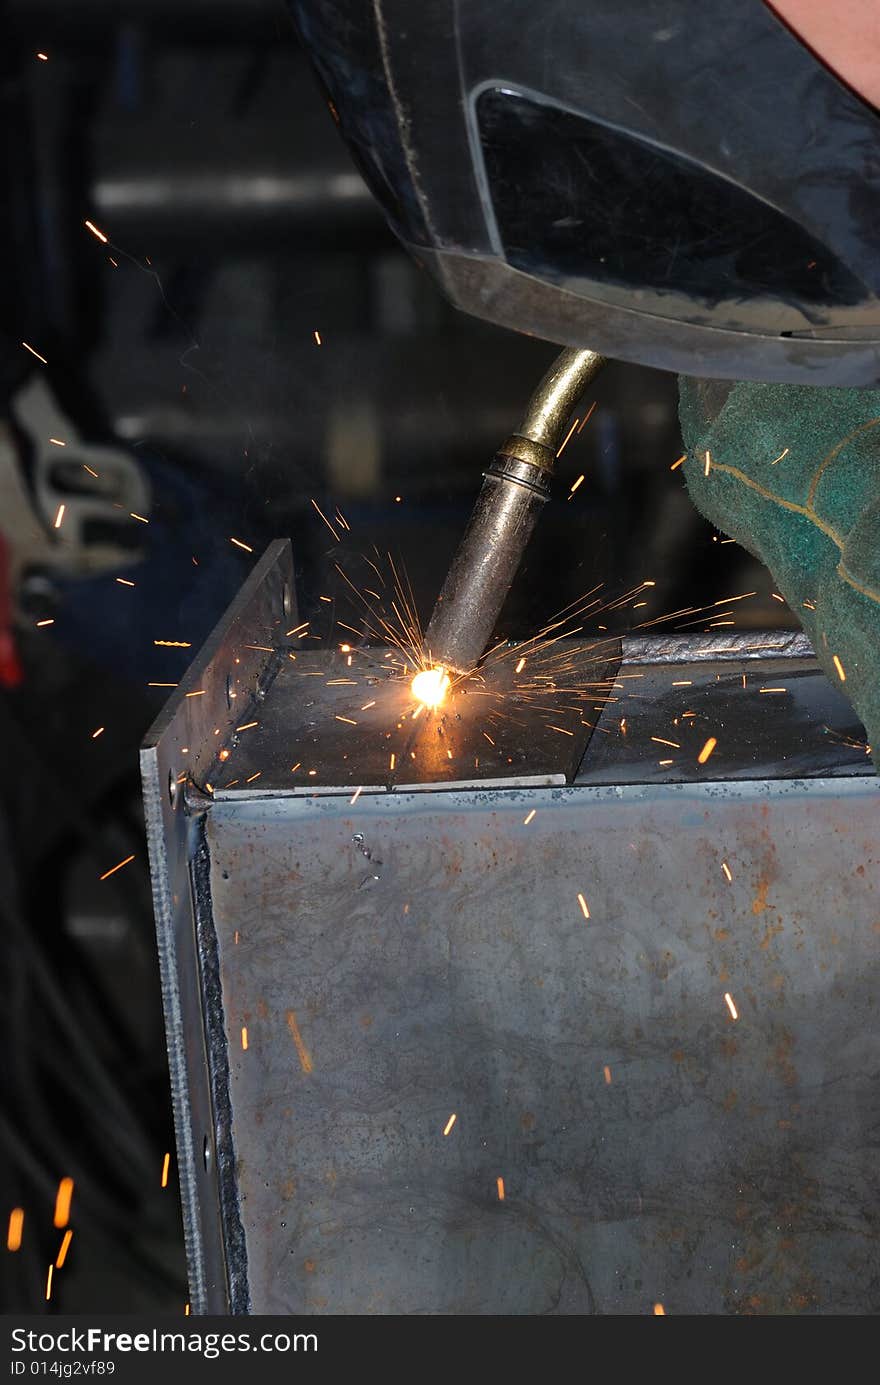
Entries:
{"x":226,"y":676}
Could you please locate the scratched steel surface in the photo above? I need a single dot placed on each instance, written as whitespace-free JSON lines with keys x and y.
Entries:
{"x":421,"y":954}
{"x":347,"y":720}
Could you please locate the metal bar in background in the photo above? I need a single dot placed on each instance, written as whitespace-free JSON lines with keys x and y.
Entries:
{"x":540,"y":1048}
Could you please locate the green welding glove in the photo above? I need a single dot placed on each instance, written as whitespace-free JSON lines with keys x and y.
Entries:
{"x":792,"y":473}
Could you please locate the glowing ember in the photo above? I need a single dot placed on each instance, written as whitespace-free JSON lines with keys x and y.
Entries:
{"x":431,"y":686}
{"x":707,"y":750}
{"x":63,"y":1249}
{"x":449,"y":1124}
{"x":62,"y":1202}
{"x":16,"y":1225}
{"x":728,"y":1000}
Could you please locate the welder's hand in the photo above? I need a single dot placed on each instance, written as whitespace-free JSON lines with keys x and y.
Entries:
{"x":794,"y":476}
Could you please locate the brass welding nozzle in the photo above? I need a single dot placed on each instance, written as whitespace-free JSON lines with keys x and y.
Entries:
{"x":515,"y":486}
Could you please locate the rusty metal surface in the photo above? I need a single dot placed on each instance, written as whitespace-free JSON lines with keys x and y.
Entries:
{"x":419,"y":955}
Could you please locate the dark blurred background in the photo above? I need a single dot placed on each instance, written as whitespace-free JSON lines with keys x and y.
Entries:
{"x":248,"y":338}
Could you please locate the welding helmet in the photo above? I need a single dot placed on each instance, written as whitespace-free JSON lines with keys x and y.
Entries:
{"x":680,"y":183}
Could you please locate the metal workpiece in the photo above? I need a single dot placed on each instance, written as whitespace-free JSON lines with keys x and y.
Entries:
{"x":507,"y":509}
{"x":518,"y":1047}
{"x":421,"y":957}
{"x":229,"y":674}
{"x":485,"y":563}
{"x":339,"y":722}
{"x":760,"y":696}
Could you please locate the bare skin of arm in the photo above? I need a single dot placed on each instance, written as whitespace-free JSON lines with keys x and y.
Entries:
{"x":845,"y":34}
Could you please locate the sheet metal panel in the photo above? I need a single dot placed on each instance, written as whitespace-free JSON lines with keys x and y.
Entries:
{"x":420,"y":955}
{"x":341,"y":977}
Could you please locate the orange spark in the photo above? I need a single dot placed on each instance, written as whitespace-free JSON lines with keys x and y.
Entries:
{"x":707,"y":750}
{"x":114,"y":869}
{"x":305,"y":1060}
{"x":44,"y":57}
{"x":142,"y":519}
{"x":520,"y":666}
{"x":449,"y":1124}
{"x":62,"y":1203}
{"x":47,"y":621}
{"x":63,"y":1249}
{"x":96,"y":734}
{"x":16,"y":1227}
{"x":499,"y":1183}
{"x":173,"y":644}
{"x":607,"y":1071}
{"x":58,"y":442}
{"x":728,"y":1000}
{"x":124,"y":582}
{"x":166,"y":1164}
{"x":780,"y":457}
{"x":95,"y":232}
{"x":529,"y":816}
{"x":347,"y":719}
{"x":326,"y":520}
{"x":89,"y":470}
{"x":661,"y":741}
{"x":35,"y":353}
{"x":682,"y":458}
{"x":251,"y":779}
{"x":244,"y":1037}
{"x":246,"y":725}
{"x":317,"y":335}
{"x":59,"y":517}
{"x":839,"y":666}
{"x":708,"y":462}
{"x":49,"y":1283}
{"x":584,"y":909}
{"x":566,"y":439}
{"x":659,"y":1310}
{"x":238,"y":543}
{"x":356,"y":795}
{"x":727,"y":871}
